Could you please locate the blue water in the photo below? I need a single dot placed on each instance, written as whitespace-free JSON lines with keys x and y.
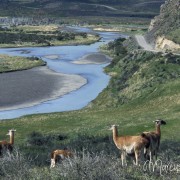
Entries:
{"x":97,"y":80}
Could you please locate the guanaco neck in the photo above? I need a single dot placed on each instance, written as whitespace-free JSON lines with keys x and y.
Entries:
{"x":11,"y":138}
{"x":115,"y":133}
{"x":158,"y":129}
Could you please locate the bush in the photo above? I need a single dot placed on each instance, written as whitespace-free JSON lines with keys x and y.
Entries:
{"x":14,"y":166}
{"x":38,"y":139}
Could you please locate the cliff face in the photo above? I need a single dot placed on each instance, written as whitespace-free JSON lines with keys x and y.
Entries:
{"x":166,"y":25}
{"x":162,"y":43}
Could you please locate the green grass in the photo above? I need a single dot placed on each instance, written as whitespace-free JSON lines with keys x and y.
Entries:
{"x":14,"y":63}
{"x":174,"y":36}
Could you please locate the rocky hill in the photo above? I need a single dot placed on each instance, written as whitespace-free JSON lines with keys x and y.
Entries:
{"x":164,"y":29}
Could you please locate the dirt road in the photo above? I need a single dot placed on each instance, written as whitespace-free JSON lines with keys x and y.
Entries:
{"x":143,"y":43}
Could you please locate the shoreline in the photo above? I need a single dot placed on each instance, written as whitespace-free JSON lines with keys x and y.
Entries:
{"x":27,"y":88}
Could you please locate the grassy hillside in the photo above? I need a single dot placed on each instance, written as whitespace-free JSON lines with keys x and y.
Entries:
{"x":144,"y":87}
{"x":137,"y":75}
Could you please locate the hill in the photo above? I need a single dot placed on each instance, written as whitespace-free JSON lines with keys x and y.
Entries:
{"x":137,"y":76}
{"x":165,"y":27}
{"x":80,"y":8}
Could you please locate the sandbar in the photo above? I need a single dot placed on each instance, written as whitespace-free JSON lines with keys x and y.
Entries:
{"x":52,"y":57}
{"x":30,"y":87}
{"x":95,"y":58}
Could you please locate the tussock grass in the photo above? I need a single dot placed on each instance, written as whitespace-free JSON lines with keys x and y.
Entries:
{"x":14,"y":166}
{"x":91,"y":165}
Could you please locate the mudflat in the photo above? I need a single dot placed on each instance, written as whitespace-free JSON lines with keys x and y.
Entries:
{"x":29,"y":87}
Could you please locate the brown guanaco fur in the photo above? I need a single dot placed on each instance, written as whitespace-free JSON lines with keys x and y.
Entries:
{"x":4,"y":145}
{"x":59,"y":153}
{"x":155,"y":137}
{"x":129,"y":145}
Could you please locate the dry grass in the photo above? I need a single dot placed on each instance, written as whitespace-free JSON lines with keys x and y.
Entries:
{"x":42,"y":28}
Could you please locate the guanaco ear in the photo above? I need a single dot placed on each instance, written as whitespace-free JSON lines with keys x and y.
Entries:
{"x":156,"y":120}
{"x":112,"y":126}
{"x":160,"y":121}
{"x":163,"y":122}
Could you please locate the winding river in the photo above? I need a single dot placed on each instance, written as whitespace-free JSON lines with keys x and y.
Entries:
{"x":97,"y":80}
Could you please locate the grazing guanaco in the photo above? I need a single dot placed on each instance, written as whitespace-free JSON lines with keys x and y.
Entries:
{"x":129,"y":145}
{"x":155,"y":137}
{"x":59,"y":153}
{"x":4,"y":145}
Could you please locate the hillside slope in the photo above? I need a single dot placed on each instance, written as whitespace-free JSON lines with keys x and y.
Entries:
{"x":138,"y":76}
{"x":166,"y":25}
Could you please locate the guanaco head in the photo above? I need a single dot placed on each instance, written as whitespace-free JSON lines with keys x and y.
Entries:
{"x":10,"y":132}
{"x":113,"y":126}
{"x":160,"y":122}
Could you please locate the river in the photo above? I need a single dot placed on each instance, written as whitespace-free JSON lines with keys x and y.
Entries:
{"x":97,"y":80}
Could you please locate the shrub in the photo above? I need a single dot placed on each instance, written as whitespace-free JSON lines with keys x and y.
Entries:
{"x":14,"y":166}
{"x":38,"y":139}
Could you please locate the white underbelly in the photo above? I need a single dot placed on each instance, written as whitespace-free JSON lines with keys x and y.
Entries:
{"x":129,"y":149}
{"x":61,"y":155}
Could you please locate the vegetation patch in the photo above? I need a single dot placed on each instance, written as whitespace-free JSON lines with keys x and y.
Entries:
{"x":21,"y":36}
{"x":174,"y":36}
{"x":14,"y":63}
{"x":137,"y":74}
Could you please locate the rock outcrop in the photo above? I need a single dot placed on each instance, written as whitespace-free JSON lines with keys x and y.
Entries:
{"x":162,"y":43}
